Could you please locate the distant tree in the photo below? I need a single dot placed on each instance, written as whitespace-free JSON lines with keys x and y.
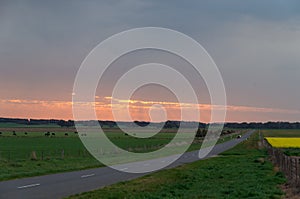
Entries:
{"x":201,"y":133}
{"x":63,"y":123}
{"x":142,"y":123}
{"x":171,"y":124}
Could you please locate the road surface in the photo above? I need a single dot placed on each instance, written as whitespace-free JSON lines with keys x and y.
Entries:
{"x":65,"y":184}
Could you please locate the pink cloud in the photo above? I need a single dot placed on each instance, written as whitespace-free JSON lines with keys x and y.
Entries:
{"x":139,"y":109}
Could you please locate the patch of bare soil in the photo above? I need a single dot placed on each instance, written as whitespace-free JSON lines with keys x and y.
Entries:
{"x":290,"y":191}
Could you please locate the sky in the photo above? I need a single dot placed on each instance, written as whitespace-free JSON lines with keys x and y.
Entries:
{"x":255,"y":44}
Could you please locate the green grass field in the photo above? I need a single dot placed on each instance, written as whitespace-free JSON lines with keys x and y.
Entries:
{"x":15,"y":154}
{"x":14,"y":125}
{"x":281,"y":133}
{"x":242,"y":172}
{"x":61,"y":153}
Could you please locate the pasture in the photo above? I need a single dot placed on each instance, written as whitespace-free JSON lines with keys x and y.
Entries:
{"x":27,"y":151}
{"x":281,"y":133}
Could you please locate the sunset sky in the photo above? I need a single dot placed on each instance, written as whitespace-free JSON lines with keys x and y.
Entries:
{"x":255,"y":44}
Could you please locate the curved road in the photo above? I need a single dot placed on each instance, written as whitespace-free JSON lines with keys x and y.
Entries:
{"x":65,"y":184}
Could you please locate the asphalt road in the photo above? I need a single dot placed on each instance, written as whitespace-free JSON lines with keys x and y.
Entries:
{"x":65,"y":184}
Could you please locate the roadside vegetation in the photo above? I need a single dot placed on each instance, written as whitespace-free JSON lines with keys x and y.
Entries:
{"x":242,"y":172}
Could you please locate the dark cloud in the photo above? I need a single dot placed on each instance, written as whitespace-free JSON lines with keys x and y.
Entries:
{"x":255,"y":43}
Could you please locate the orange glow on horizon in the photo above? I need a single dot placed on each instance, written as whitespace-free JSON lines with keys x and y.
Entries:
{"x":139,"y":109}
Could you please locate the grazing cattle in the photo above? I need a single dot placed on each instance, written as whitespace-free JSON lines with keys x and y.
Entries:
{"x":14,"y":133}
{"x":53,"y":134}
{"x":47,"y":134}
{"x":66,"y":134}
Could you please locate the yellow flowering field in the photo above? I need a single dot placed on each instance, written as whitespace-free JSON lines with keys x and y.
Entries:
{"x":279,"y":142}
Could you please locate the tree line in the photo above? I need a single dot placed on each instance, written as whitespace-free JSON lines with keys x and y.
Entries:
{"x":167,"y":124}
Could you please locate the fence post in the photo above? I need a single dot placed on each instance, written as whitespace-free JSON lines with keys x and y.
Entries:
{"x":33,"y":155}
{"x":62,"y":154}
{"x":297,"y":173}
{"x":290,"y":166}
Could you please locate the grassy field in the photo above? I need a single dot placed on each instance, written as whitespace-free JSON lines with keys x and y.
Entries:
{"x":281,"y":133}
{"x":14,"y":125}
{"x":242,"y":172}
{"x":61,"y":153}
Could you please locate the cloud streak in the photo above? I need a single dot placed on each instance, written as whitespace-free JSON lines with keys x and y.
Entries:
{"x":255,"y":44}
{"x":139,"y":109}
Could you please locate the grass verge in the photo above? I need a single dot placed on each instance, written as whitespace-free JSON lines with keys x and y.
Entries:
{"x":242,"y":172}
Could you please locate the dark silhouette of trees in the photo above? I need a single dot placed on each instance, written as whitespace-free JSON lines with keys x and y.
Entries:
{"x":167,"y":124}
{"x":201,"y":133}
{"x":63,"y":123}
{"x":141,"y":123}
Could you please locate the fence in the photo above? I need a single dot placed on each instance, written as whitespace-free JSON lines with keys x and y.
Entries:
{"x":13,"y":155}
{"x":289,"y":165}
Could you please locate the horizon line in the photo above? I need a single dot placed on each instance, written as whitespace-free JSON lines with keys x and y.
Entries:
{"x":20,"y":118}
